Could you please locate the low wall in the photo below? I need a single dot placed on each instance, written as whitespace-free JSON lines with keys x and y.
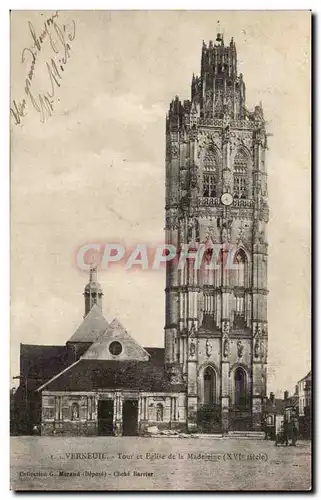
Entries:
{"x":91,"y":428}
{"x":69,"y":429}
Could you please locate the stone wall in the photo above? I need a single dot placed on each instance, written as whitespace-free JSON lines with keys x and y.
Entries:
{"x":76,"y":414}
{"x":69,"y":428}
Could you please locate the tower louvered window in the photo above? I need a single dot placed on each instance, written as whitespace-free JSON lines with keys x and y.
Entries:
{"x":210,"y":174}
{"x":240,"y":283}
{"x":240,"y":175}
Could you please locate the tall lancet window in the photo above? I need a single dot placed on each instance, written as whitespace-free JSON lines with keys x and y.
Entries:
{"x":241,"y":282}
{"x":241,"y":269}
{"x":209,"y":386}
{"x":211,"y":269}
{"x":240,"y":388}
{"x":210,"y":168}
{"x":241,"y":175}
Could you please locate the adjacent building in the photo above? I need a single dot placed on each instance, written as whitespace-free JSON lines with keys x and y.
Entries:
{"x":304,"y":390}
{"x":304,"y":394}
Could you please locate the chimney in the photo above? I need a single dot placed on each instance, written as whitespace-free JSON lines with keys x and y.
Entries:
{"x":286,"y":395}
{"x":272,"y":397}
{"x":296,"y":390}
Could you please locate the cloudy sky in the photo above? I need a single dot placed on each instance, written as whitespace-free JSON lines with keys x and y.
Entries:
{"x":94,"y":170}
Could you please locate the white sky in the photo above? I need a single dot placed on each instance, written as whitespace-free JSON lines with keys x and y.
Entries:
{"x":70,"y":185}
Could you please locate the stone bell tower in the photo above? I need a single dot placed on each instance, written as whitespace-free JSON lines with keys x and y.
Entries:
{"x":217,"y":209}
{"x":93,"y":292}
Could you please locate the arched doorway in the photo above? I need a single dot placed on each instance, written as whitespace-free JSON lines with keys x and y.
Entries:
{"x":240,"y":412}
{"x":209,"y":386}
{"x":240,"y":388}
{"x":209,"y":413}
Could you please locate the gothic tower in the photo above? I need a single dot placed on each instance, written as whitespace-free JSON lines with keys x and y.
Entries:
{"x":217,"y":211}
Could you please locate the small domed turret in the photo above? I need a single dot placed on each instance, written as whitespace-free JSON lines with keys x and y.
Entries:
{"x":93,"y":292}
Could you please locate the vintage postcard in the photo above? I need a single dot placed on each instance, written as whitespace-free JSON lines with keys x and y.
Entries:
{"x":160,"y":250}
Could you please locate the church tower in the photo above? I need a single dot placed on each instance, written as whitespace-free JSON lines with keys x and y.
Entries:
{"x":217,"y":212}
{"x":93,"y":292}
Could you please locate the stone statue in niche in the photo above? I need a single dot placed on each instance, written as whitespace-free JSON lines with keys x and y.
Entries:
{"x":226,"y":327}
{"x":262,"y":348}
{"x":240,"y":348}
{"x":258,"y":329}
{"x":226,"y":347}
{"x":192,"y":348}
{"x":209,"y":236}
{"x":193,"y":177}
{"x":74,"y":411}
{"x":174,"y":151}
{"x":224,"y":235}
{"x":262,"y":237}
{"x":192,"y":329}
{"x":208,"y":348}
{"x":226,"y":132}
{"x":226,"y":226}
{"x":193,"y":231}
{"x":257,"y":348}
{"x":226,"y":118}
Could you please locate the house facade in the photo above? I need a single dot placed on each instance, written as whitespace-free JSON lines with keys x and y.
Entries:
{"x":304,"y":390}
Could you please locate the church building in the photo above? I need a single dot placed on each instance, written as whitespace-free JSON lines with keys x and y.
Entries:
{"x":216,"y":196}
{"x":211,"y":374}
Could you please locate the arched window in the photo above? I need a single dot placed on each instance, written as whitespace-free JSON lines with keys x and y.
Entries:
{"x":210,"y":167}
{"x":241,"y":269}
{"x":74,"y":411}
{"x":240,"y":175}
{"x":211,"y":268}
{"x":159,"y":412}
{"x":240,"y":388}
{"x":209,"y":386}
{"x":240,"y":283}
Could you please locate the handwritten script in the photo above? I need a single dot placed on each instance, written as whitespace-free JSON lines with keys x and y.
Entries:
{"x":58,"y":38}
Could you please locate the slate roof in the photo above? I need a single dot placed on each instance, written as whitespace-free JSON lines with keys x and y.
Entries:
{"x":42,"y":361}
{"x":279,"y":405}
{"x":93,"y":325}
{"x":157,"y":354}
{"x":88,"y":375}
{"x":307,"y":377}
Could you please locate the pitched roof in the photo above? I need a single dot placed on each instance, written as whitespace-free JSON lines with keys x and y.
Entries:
{"x":88,"y":375}
{"x":93,"y":325}
{"x":307,"y":377}
{"x":279,"y":405}
{"x":42,"y":361}
{"x":157,"y":353}
{"x":115,"y":332}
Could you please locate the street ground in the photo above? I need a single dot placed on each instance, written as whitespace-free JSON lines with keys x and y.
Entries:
{"x":133,"y":463}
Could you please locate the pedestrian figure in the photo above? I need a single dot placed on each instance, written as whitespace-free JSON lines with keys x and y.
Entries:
{"x":286,"y":432}
{"x":295,"y":431}
{"x":35,"y":429}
